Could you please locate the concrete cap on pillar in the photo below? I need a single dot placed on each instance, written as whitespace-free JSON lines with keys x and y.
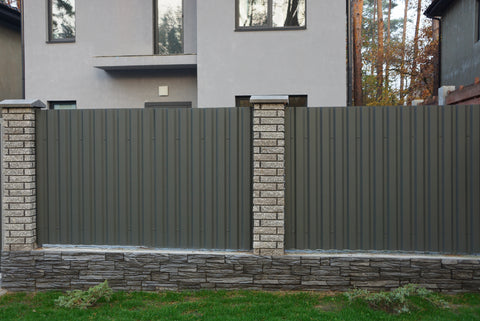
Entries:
{"x":269,"y":100}
{"x":22,"y":103}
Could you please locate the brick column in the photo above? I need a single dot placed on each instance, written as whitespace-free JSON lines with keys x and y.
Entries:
{"x":18,"y":175}
{"x":269,"y":174}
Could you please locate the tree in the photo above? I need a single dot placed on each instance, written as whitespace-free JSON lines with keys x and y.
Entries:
{"x":388,"y":53}
{"x":423,"y":83}
{"x":292,"y":13}
{"x":404,"y":39}
{"x":392,"y":64}
{"x":170,"y":33}
{"x":415,"y":46}
{"x":380,"y":54}
{"x":17,"y":4}
{"x":357,"y":12}
{"x":63,"y":21}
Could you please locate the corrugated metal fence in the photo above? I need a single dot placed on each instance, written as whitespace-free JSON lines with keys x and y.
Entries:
{"x":173,"y":178}
{"x":384,"y":178}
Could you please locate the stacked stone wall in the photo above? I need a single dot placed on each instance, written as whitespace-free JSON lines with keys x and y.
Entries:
{"x":152,"y":271}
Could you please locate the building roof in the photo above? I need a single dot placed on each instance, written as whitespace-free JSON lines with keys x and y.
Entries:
{"x":10,"y":17}
{"x":437,"y":8}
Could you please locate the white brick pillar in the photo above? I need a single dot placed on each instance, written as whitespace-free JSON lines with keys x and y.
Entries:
{"x":269,"y":174}
{"x":19,"y":221}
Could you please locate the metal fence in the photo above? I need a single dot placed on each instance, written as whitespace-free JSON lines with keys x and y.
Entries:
{"x":173,"y":178}
{"x":383,"y":178}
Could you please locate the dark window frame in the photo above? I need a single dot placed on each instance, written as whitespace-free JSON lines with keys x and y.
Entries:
{"x":155,"y":28}
{"x":173,"y":104}
{"x":50,"y":26}
{"x":51,"y":103}
{"x":269,"y":26}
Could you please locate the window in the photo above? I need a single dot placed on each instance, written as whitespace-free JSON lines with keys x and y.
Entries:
{"x":169,"y":27}
{"x":175,"y":104}
{"x":61,"y":20}
{"x":270,"y":14}
{"x":293,"y":101}
{"x":60,"y":105}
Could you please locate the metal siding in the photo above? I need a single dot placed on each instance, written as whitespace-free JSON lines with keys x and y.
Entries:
{"x":383,"y":178}
{"x":155,"y":177}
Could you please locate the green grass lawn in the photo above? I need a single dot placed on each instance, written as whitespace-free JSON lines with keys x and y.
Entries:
{"x":231,"y":305}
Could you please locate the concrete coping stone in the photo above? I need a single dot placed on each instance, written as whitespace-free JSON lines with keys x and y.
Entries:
{"x":22,"y":103}
{"x":316,"y":254}
{"x":269,"y":100}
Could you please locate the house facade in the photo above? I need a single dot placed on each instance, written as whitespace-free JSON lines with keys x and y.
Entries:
{"x":459,"y":40}
{"x":208,"y":53}
{"x":10,"y":53}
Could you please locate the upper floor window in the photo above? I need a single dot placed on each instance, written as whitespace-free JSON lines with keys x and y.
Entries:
{"x":169,"y":27}
{"x":271,"y":14}
{"x":61,"y":16}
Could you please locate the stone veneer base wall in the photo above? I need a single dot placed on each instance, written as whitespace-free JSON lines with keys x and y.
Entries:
{"x":154,"y":270}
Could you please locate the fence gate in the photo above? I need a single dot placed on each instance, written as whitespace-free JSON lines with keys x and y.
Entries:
{"x":383,"y":178}
{"x":167,"y":178}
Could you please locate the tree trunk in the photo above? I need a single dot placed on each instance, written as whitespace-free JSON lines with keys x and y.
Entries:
{"x":402,"y":65}
{"x":415,"y":44}
{"x":357,"y":52}
{"x":388,"y":50}
{"x":292,"y":13}
{"x":380,"y":53}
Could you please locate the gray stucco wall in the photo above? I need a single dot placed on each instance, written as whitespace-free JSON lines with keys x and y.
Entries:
{"x":311,"y":61}
{"x":460,"y":50}
{"x":10,"y":63}
{"x":229,"y":63}
{"x":65,"y":71}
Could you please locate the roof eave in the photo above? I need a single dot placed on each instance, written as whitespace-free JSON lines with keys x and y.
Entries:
{"x":10,"y":16}
{"x":437,"y":8}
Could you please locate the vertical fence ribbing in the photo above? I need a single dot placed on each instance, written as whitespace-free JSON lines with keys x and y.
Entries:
{"x":410,"y":178}
{"x":127,"y":160}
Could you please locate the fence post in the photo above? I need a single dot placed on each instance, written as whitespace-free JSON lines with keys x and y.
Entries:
{"x":19,"y":175}
{"x":269,"y":174}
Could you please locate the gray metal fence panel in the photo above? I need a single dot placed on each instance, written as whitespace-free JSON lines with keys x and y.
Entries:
{"x":168,"y":178}
{"x":383,"y":178}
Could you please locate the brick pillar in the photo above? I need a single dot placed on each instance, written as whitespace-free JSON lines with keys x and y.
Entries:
{"x":269,"y":174}
{"x":18,"y":171}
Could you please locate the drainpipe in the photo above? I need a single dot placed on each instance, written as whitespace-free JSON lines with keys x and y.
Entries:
{"x":22,"y":7}
{"x":349,"y":54}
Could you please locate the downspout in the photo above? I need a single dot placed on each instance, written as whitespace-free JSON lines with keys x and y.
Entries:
{"x":349,"y":54}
